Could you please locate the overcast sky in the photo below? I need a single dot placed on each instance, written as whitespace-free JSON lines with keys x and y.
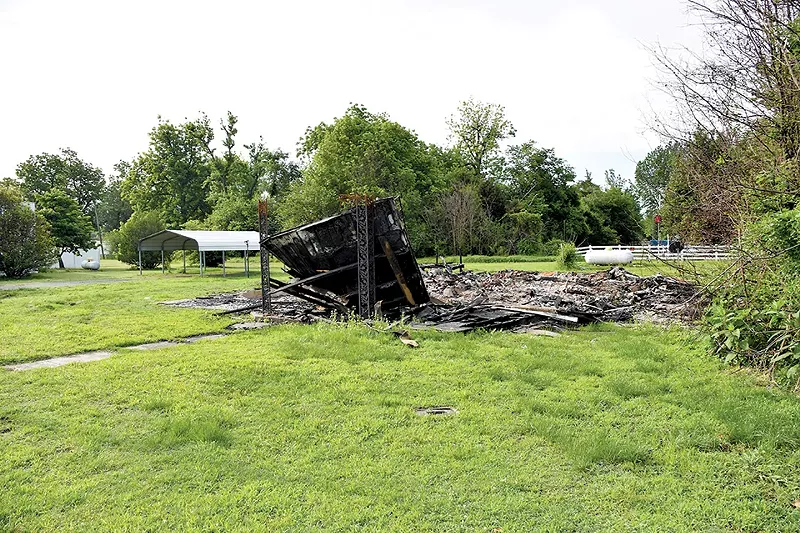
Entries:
{"x":94,"y":76}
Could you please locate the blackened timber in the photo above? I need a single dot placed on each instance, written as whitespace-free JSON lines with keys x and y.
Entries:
{"x":331,"y":243}
{"x":365,"y":250}
{"x":398,"y":272}
{"x":263,"y":230}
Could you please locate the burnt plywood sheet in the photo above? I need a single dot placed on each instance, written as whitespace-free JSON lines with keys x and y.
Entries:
{"x":330,"y":244}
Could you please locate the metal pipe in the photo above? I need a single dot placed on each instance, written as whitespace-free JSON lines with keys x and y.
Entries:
{"x":162,"y":258}
{"x":140,"y":257}
{"x":184,"y":260}
{"x":223,"y":263}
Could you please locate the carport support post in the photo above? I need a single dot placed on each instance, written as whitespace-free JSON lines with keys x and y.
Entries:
{"x":223,"y":263}
{"x":162,"y":258}
{"x":247,"y":258}
{"x":184,"y":260}
{"x":202,"y":262}
{"x":140,"y":257}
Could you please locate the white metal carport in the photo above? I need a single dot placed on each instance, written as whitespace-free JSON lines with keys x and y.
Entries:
{"x":171,"y":240}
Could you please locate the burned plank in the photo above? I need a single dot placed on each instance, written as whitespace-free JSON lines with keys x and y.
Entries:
{"x":330,"y":244}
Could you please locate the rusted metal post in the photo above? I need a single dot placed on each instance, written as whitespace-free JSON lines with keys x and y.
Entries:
{"x":365,"y":249}
{"x":263,"y":230}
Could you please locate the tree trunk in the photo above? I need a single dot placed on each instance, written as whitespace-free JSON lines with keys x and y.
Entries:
{"x":60,"y":260}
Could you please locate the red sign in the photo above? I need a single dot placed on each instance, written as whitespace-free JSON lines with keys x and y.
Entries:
{"x":657,"y":219}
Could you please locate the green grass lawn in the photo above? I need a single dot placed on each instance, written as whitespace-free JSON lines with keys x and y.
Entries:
{"x":313,"y":429}
{"x":46,"y":322}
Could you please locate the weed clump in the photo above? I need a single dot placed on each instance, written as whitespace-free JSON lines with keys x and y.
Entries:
{"x":567,"y":256}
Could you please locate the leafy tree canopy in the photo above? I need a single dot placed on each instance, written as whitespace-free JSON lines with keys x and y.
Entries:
{"x":652,"y":176}
{"x":361,"y":152}
{"x":66,"y":172}
{"x":172,"y":176}
{"x":537,"y":177}
{"x":25,"y":243}
{"x":476,"y":132}
{"x":70,"y":228}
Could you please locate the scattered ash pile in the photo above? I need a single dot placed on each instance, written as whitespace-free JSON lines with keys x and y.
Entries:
{"x":615,"y":295}
{"x":516,"y":300}
{"x":289,"y":307}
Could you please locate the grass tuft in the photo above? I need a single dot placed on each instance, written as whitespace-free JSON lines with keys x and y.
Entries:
{"x":177,"y":431}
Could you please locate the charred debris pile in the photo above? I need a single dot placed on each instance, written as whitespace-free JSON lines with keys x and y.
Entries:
{"x":361,"y":262}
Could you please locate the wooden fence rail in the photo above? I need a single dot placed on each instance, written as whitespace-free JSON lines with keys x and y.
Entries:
{"x":689,"y":253}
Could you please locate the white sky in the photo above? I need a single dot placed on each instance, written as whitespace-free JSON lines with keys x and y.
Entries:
{"x":94,"y":75}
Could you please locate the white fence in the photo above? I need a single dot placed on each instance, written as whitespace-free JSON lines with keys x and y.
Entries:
{"x":689,"y":253}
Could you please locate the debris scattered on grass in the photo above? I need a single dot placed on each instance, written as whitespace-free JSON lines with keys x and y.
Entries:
{"x":436,"y":410}
{"x":539,"y":303}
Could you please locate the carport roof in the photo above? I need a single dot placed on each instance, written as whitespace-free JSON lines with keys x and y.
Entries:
{"x":208,"y":241}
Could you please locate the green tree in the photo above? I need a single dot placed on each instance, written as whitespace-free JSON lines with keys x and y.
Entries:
{"x":614,"y":180}
{"x":362,"y":152}
{"x":536,"y":176}
{"x":66,"y":172}
{"x":126,"y":241}
{"x":612,"y":217}
{"x":25,"y":243}
{"x":652,"y":177}
{"x":172,"y":176}
{"x":266,"y":171}
{"x":476,"y":132}
{"x":234,"y":214}
{"x":70,"y":228}
{"x":113,"y":209}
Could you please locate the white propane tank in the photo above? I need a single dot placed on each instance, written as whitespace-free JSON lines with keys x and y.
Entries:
{"x":609,"y":257}
{"x":90,"y":264}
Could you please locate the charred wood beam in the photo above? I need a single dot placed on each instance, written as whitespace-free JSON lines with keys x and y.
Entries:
{"x":398,"y":271}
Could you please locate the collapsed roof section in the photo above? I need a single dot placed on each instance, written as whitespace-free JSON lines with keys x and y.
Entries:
{"x":366,"y":246}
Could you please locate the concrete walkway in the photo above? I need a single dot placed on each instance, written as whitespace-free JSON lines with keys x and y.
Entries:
{"x":104,"y":354}
{"x":46,"y":284}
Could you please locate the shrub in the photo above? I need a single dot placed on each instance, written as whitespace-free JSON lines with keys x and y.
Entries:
{"x":140,"y":225}
{"x":552,"y":247}
{"x":25,"y":242}
{"x":755,"y":315}
{"x":567,"y":256}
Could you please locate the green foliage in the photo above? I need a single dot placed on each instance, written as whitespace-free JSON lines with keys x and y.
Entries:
{"x":367,"y":153}
{"x":755,"y":319}
{"x":567,"y":256}
{"x":477,"y":132}
{"x":70,"y":228}
{"x":652,"y":176}
{"x":234,"y":214}
{"x":25,"y":242}
{"x":541,"y":181}
{"x":172,"y":176}
{"x":612,"y":217}
{"x":139,"y":226}
{"x":65,"y":172}
{"x":113,"y":209}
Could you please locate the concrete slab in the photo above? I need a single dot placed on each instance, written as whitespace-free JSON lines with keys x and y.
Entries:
{"x":61,"y":361}
{"x":196,"y":338}
{"x":152,"y":345}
